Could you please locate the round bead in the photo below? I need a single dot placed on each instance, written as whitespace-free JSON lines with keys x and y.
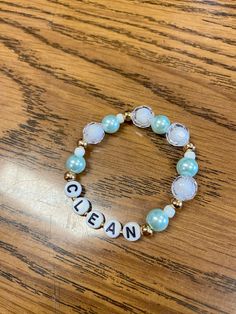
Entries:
{"x":69,"y":176}
{"x":142,"y":116}
{"x":132,"y":231}
{"x":120,"y":118}
{"x":95,"y":219}
{"x":187,"y":167}
{"x":169,"y":211}
{"x":157,"y":219}
{"x":110,"y":124}
{"x":184,"y":188}
{"x":79,"y":151}
{"x":146,"y":230}
{"x":73,"y":189}
{"x":93,"y":133}
{"x":177,"y":134}
{"x":160,"y":124}
{"x":112,"y":228}
{"x":81,"y":206}
{"x":190,"y":154}
{"x":75,"y":164}
{"x":177,"y":204}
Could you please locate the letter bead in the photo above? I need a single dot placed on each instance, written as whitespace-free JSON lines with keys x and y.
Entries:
{"x":112,"y":228}
{"x":81,"y":206}
{"x":132,"y":231}
{"x":73,"y":189}
{"x":95,"y":219}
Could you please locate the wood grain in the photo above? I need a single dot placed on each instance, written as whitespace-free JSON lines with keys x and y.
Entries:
{"x":65,"y":63}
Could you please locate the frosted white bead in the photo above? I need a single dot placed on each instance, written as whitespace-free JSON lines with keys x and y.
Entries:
{"x":177,"y":134}
{"x":79,"y":151}
{"x":95,"y":219}
{"x":169,"y":211}
{"x":184,"y":188}
{"x":112,"y":228}
{"x":93,"y":133}
{"x":132,"y":231}
{"x":81,"y":205}
{"x":142,"y":116}
{"x":120,"y":117}
{"x":190,"y":154}
{"x":73,"y":189}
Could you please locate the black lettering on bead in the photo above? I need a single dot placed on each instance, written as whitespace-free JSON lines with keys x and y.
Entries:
{"x":92,"y":218}
{"x":75,"y":207}
{"x":129,"y":231}
{"x":72,"y":186}
{"x":111,"y":228}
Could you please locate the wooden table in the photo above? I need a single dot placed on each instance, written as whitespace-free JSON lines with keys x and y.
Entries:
{"x":65,"y":63}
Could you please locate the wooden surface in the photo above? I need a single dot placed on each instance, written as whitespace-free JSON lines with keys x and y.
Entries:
{"x":65,"y":63}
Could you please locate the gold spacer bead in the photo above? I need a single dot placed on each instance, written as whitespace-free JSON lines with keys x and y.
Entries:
{"x":69,"y":176}
{"x":177,"y":204}
{"x":189,"y":146}
{"x":127,"y":116}
{"x":146,"y":230}
{"x":82,"y":143}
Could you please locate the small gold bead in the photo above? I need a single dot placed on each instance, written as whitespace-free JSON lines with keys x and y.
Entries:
{"x":146,"y":230}
{"x":127,"y":116}
{"x":177,"y":204}
{"x":189,"y":146}
{"x":82,"y":143}
{"x":69,"y":176}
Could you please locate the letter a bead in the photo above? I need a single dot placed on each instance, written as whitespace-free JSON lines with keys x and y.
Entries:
{"x":132,"y":231}
{"x":112,"y":228}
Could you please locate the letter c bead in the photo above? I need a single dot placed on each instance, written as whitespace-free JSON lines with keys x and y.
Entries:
{"x":73,"y":189}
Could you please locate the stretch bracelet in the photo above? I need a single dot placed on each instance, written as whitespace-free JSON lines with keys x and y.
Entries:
{"x":183,"y":188}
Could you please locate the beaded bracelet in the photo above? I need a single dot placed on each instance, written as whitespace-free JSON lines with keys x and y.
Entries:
{"x":183,"y":188}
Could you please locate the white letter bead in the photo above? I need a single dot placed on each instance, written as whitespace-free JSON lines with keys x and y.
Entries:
{"x":132,"y":231}
{"x":93,"y":133}
{"x":79,"y":151}
{"x":169,"y":211}
{"x":73,"y":189}
{"x":81,"y":205}
{"x":95,"y":219}
{"x":190,"y":154}
{"x":112,"y":228}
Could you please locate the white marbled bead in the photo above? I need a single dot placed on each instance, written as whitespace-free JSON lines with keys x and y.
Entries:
{"x":81,"y":206}
{"x":95,"y":219}
{"x":184,"y":188}
{"x":112,"y":228}
{"x":73,"y":189}
{"x":93,"y":133}
{"x":79,"y":151}
{"x":142,"y":116}
{"x":132,"y":231}
{"x":190,"y":154}
{"x":177,"y":134}
{"x":120,"y":118}
{"x":169,"y":211}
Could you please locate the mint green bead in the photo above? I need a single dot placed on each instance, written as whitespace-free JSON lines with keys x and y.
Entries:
{"x":110,"y":124}
{"x":187,"y":167}
{"x":76,"y":164}
{"x":160,"y":124}
{"x":157,"y":219}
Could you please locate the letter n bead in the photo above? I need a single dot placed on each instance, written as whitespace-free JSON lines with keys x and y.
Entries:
{"x":132,"y":231}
